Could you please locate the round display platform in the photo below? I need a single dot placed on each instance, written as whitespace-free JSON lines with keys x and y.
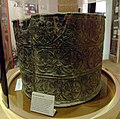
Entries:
{"x":20,"y":103}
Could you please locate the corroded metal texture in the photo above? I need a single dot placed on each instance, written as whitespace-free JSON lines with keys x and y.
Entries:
{"x":61,"y":55}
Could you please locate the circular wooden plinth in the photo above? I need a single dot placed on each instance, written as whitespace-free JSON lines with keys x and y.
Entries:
{"x":20,"y":103}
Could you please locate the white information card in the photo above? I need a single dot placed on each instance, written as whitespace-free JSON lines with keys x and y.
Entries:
{"x":43,"y":103}
{"x":18,"y":86}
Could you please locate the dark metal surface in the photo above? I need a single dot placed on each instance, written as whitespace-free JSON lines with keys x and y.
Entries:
{"x":61,"y":55}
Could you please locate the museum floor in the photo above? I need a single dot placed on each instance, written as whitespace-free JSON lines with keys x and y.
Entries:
{"x":107,"y":65}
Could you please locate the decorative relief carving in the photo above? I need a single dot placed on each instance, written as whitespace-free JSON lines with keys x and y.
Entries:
{"x":61,"y":55}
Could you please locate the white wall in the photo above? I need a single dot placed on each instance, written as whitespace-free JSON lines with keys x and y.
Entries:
{"x":106,"y":50}
{"x":53,"y":6}
{"x":43,"y":6}
{"x":80,"y":3}
{"x":46,"y":6}
{"x":101,"y":6}
{"x":85,"y":8}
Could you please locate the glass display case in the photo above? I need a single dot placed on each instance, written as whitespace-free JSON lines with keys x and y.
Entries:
{"x":50,"y":48}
